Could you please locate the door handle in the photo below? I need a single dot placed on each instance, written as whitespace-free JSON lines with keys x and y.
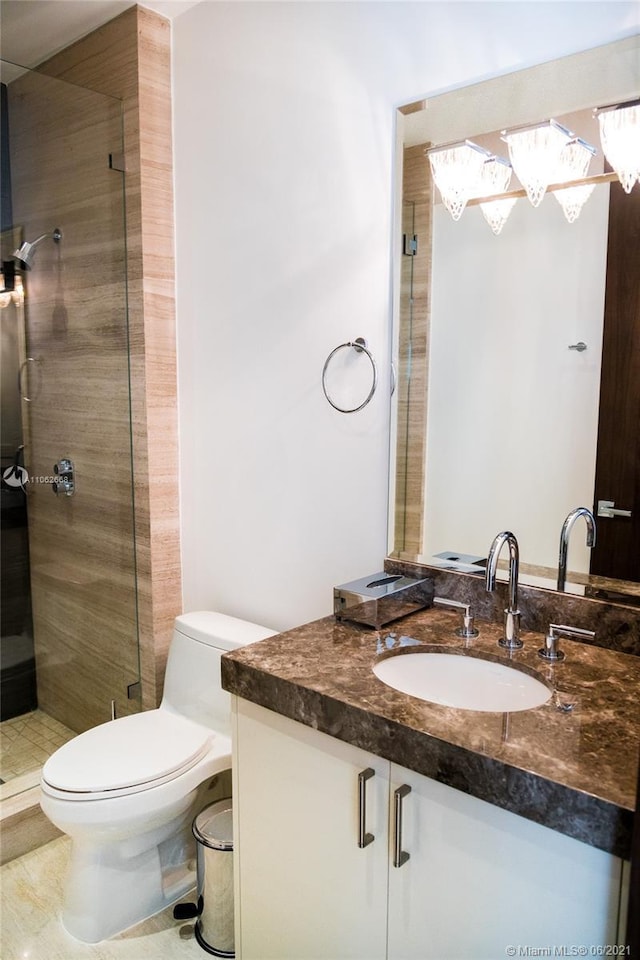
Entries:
{"x":400,"y":856}
{"x":24,"y":366}
{"x":364,"y":838}
{"x":606,"y":509}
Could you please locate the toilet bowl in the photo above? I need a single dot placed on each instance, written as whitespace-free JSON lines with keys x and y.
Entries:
{"x":126,"y":792}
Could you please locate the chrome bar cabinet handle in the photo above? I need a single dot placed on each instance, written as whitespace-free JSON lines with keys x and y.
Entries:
{"x":400,"y":856}
{"x":364,"y":838}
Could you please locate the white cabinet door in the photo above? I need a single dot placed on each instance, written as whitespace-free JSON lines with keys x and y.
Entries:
{"x":304,"y":889}
{"x":480,"y":879}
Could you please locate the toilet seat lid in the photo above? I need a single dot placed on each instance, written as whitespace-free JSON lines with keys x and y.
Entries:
{"x":144,"y":748}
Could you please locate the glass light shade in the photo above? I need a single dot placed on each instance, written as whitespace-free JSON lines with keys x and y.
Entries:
{"x":535,"y":153}
{"x":496,"y":212}
{"x":5,"y":295}
{"x":573,"y":199}
{"x":573,"y":165}
{"x":11,"y":296}
{"x":18,"y":291}
{"x":620,"y":138}
{"x":575,"y":157}
{"x":456,"y":171}
{"x":495,"y":178}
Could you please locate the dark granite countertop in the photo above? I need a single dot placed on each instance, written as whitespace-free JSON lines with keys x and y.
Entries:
{"x":572,"y":771}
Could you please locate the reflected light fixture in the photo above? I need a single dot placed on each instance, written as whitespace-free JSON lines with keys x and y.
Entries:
{"x":535,"y":153}
{"x":542,"y":155}
{"x":573,"y":165}
{"x":495,"y":178}
{"x":456,"y":170}
{"x":12,"y":295}
{"x":620,"y":138}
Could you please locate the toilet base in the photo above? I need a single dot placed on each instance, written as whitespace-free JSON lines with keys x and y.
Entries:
{"x":109,"y":891}
{"x":134,"y":856}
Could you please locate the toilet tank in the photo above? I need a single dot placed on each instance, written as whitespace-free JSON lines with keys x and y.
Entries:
{"x":192,"y":684}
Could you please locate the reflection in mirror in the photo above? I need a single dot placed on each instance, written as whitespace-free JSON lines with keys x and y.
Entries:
{"x":518,"y":374}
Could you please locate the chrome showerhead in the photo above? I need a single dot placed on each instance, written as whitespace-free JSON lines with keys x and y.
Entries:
{"x":26,"y":252}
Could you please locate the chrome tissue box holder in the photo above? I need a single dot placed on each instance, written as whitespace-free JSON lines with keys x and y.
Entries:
{"x":380,"y":598}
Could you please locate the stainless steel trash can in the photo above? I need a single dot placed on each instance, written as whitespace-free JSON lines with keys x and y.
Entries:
{"x":213,"y":830}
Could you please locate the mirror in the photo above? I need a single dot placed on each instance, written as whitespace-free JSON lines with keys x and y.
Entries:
{"x":502,"y":416}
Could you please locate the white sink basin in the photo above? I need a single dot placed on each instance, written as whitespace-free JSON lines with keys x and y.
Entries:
{"x":468,"y":683}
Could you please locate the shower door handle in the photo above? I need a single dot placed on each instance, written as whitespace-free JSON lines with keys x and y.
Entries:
{"x":65,"y":483}
{"x":24,"y":366}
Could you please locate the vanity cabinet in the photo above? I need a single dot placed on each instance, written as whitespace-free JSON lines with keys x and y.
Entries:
{"x":477,"y":878}
{"x":303,"y":886}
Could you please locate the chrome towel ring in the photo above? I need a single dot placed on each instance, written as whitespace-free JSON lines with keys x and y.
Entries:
{"x":360,"y":346}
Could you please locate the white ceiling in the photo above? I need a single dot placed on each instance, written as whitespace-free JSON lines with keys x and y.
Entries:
{"x":33,"y":30}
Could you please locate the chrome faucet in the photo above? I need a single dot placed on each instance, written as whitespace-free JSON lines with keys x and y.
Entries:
{"x":511,"y":639}
{"x":564,"y":540}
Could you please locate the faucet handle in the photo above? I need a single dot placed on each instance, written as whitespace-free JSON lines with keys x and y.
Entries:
{"x":467,"y":630}
{"x":550,"y":651}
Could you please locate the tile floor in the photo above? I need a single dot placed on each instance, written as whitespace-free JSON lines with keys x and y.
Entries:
{"x":27,"y":741}
{"x":31,"y":899}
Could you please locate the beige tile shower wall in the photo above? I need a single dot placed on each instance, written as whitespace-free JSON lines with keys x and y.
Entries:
{"x":413,"y":357}
{"x":129,"y":58}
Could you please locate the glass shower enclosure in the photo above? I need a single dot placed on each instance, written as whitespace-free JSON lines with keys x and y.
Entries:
{"x":69,"y":655}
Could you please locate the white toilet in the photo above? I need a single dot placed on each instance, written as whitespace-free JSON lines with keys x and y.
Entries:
{"x":126,"y":792}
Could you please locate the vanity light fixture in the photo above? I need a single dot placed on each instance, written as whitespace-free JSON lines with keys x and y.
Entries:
{"x":495,"y":178}
{"x":535,"y":153}
{"x":574,"y":164}
{"x":620,"y":138}
{"x":456,"y":170}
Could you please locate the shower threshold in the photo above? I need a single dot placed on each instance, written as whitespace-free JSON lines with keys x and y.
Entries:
{"x":26,"y":742}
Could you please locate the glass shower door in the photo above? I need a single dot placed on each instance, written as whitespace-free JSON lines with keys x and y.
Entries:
{"x":72,"y":386}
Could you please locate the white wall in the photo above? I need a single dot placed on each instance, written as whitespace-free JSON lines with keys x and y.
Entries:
{"x":284,"y":166}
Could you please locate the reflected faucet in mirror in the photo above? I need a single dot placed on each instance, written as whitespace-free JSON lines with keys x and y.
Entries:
{"x":564,"y":540}
{"x":511,"y":639}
